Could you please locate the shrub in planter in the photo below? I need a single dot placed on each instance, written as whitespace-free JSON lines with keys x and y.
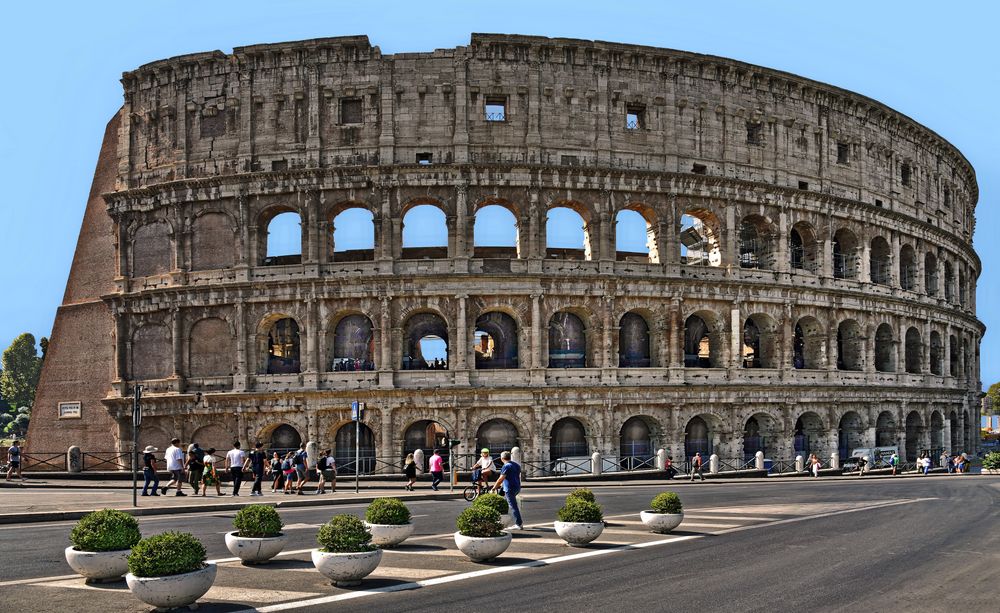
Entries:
{"x":169,"y":570}
{"x":346,"y":553}
{"x":387,"y":511}
{"x":493,"y":501}
{"x":667,"y":502}
{"x":101,"y":542}
{"x":665,"y":513}
{"x":991,"y":461}
{"x":582,"y":493}
{"x":578,"y":510}
{"x":257,"y":521}
{"x":344,"y":534}
{"x":479,"y":521}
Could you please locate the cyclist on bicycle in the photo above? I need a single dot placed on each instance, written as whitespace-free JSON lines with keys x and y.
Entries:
{"x":484,"y":469}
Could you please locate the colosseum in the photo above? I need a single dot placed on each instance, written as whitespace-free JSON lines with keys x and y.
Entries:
{"x":807,"y":281}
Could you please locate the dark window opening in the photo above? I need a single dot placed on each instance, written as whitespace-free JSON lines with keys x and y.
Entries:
{"x":350,"y":110}
{"x":843,"y":153}
{"x":569,"y":160}
{"x":496,"y":109}
{"x":425,"y":158}
{"x":278,"y":165}
{"x":904,"y":174}
{"x":803,"y":185}
{"x":635,"y":117}
{"x":213,"y":125}
{"x":699,"y":169}
{"x":755,"y":134}
{"x":947,"y":197}
{"x":878,"y":203}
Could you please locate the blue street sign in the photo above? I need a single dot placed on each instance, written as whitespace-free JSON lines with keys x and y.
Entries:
{"x":355,"y":410}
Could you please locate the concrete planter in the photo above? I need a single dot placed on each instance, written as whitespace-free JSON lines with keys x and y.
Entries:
{"x":255,"y":550}
{"x":173,"y":590}
{"x":661,"y":522}
{"x":578,"y":534}
{"x":389,"y":535}
{"x":481,"y":549}
{"x":98,"y":566}
{"x":991,"y":471}
{"x":346,"y":569}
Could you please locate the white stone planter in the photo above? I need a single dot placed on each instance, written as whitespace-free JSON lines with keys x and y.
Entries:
{"x":991,"y":471}
{"x":661,"y":522}
{"x":578,"y":534}
{"x":346,"y":569}
{"x":173,"y":590}
{"x":98,"y":565}
{"x":255,"y":550}
{"x":481,"y":549}
{"x":389,"y":535}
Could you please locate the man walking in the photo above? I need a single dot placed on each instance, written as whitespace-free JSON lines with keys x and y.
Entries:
{"x":301,"y":463}
{"x":696,"y":466}
{"x":510,"y":481}
{"x":326,"y":467}
{"x":174,"y":456}
{"x":234,"y":464}
{"x":149,"y":471}
{"x":436,"y":464}
{"x":256,"y":461}
{"x":14,"y":460}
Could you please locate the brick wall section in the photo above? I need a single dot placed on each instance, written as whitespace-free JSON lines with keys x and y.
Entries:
{"x":80,"y":360}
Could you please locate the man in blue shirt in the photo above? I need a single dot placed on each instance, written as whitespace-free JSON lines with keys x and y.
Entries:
{"x":510,"y":480}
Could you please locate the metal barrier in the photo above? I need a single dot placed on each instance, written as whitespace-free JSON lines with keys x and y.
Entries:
{"x":783,"y":467}
{"x":736,"y":464}
{"x":108,"y":459}
{"x":634,"y":462}
{"x":43,"y":460}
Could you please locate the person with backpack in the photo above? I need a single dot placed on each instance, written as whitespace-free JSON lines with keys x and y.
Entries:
{"x":410,"y":472}
{"x":301,"y":462}
{"x":327,"y":468}
{"x":288,"y":471}
{"x":256,"y":461}
{"x":696,"y":466}
{"x":195,"y":469}
{"x":14,"y":460}
{"x":149,"y":471}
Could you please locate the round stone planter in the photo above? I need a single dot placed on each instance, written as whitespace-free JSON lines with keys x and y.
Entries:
{"x":255,"y":550}
{"x":661,"y":522}
{"x":346,"y":569}
{"x":578,"y":534}
{"x":173,"y":590}
{"x":481,"y":549}
{"x":97,"y":566}
{"x":389,"y":535}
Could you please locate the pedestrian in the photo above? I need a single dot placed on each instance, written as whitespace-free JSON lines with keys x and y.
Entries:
{"x":209,"y":475}
{"x":963,"y":463}
{"x":894,"y":463}
{"x":436,"y":464}
{"x":510,"y":481}
{"x":410,"y":471}
{"x":862,"y":463}
{"x":288,"y":471}
{"x":174,"y":457}
{"x":256,"y":462}
{"x":327,"y":469}
{"x":301,"y":462}
{"x":235,"y":459}
{"x":149,"y":471}
{"x":696,"y":466}
{"x":668,"y":466}
{"x":815,"y":465}
{"x":923,"y":463}
{"x":14,"y":460}
{"x":275,"y":469}
{"x":483,"y":469}
{"x":195,"y":469}
{"x":943,"y":460}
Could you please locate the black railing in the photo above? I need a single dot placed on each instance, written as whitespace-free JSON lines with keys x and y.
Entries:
{"x":109,"y":460}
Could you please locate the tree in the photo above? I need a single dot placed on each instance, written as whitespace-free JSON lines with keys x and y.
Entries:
{"x":21,"y":368}
{"x":994,"y":395}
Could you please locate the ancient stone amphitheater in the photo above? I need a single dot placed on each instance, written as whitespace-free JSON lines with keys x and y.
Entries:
{"x":807,"y":285}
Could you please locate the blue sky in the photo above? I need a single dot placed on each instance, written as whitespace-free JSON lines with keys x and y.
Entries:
{"x":934,"y":61}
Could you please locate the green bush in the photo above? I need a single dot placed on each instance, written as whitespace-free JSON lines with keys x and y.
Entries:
{"x":493,"y":501}
{"x":583,"y":494}
{"x":344,"y":534}
{"x":667,"y":502}
{"x":170,"y":553}
{"x":479,"y":521}
{"x":578,"y":510}
{"x":105,"y":530}
{"x":991,"y":460}
{"x":391,"y":511}
{"x":257,"y":521}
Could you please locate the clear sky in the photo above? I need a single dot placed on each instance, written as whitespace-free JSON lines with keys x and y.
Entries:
{"x":934,"y":61}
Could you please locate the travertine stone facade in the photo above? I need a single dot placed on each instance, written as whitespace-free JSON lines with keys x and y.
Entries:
{"x":828,"y":301}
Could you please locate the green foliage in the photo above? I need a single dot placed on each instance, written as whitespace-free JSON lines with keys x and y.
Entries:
{"x":170,"y":553}
{"x":991,"y":460}
{"x":390,"y":511}
{"x":344,"y":534}
{"x":105,"y":530}
{"x":583,"y":494}
{"x":479,"y":521}
{"x":580,"y":511}
{"x":21,"y":368}
{"x":667,"y":502}
{"x":993,"y":393}
{"x":493,"y":501}
{"x":257,"y":521}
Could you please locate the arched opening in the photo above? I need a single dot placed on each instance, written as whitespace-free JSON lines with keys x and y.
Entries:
{"x":885,"y":430}
{"x":495,"y":341}
{"x":953,"y":359}
{"x":283,"y":347}
{"x":914,"y":436}
{"x":568,"y":439}
{"x":567,"y":236}
{"x":702,"y":345}
{"x":567,"y":341}
{"x":497,"y":435}
{"x":635,"y":238}
{"x":754,"y":243}
{"x":936,"y":352}
{"x":633,"y":341}
{"x":850,"y":434}
{"x":697,"y":438}
{"x":283,"y":240}
{"x":880,"y":261}
{"x":214,"y":435}
{"x":700,"y":238}
{"x":885,"y":350}
{"x":636,"y":447}
{"x":425,"y":233}
{"x":151,"y":352}
{"x":849,"y":346}
{"x":281,"y":438}
{"x":802,"y":248}
{"x":930,"y":274}
{"x":344,"y":452}
{"x":425,"y":342}
{"x":907,"y":268}
{"x":809,"y":344}
{"x":949,"y":282}
{"x":353,"y":344}
{"x":353,"y":233}
{"x":759,"y":342}
{"x":913,"y":351}
{"x":427,"y":436}
{"x":937,"y":435}
{"x":808,"y":434}
{"x":845,"y":254}
{"x":495,"y":233}
{"x":758,"y":433}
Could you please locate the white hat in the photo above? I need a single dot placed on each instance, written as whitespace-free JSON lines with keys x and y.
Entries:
{"x":149,"y":449}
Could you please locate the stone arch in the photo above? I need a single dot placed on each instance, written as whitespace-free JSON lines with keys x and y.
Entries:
{"x":213,"y":241}
{"x":885,"y":430}
{"x":352,"y":343}
{"x":913,"y":351}
{"x":949,"y":282}
{"x":153,"y":434}
{"x":808,"y":434}
{"x":568,"y":438}
{"x":152,"y":249}
{"x":803,"y":249}
{"x":907,"y":268}
{"x":809,"y":344}
{"x":914,"y":435}
{"x":760,"y":433}
{"x":636,"y":214}
{"x":699,"y":435}
{"x":637,"y":440}
{"x":497,"y":435}
{"x":700,"y":238}
{"x":553,"y":228}
{"x":704,"y":340}
{"x":214,"y":435}
{"x":937,"y":434}
{"x":845,"y":254}
{"x":760,"y":343}
{"x":280,"y":436}
{"x":930,"y":274}
{"x":568,"y":333}
{"x":880,"y":261}
{"x":633,"y":341}
{"x":850,"y":433}
{"x":279,"y":340}
{"x":936,"y":353}
{"x":352,"y":234}
{"x":754,"y":242}
{"x":211,"y":348}
{"x":495,"y":340}
{"x":426,"y":435}
{"x":486,"y":239}
{"x":885,"y":349}
{"x":344,"y":452}
{"x":152,"y":352}
{"x":419,"y":328}
{"x":850,"y":347}
{"x":425,"y":242}
{"x":954,"y":360}
{"x":277,"y":226}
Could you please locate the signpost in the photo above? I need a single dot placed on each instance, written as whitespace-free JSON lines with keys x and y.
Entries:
{"x":136,"y":422}
{"x":357,"y":414}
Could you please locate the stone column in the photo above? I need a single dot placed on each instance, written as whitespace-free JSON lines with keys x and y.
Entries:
{"x":175,"y":325}
{"x":121,"y":344}
{"x":241,"y":338}
{"x":676,"y":335}
{"x":462,"y":243}
{"x":784,"y":263}
{"x":385,"y":335}
{"x":736,"y":336}
{"x":946,"y":343}
{"x":312,"y":337}
{"x":462,"y":349}
{"x":536,"y":331}
{"x":894,"y":262}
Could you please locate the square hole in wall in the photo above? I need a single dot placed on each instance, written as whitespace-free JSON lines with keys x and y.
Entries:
{"x":350,"y":110}
{"x":569,"y":160}
{"x":843,"y":153}
{"x":878,"y":203}
{"x":699,"y":169}
{"x":803,"y":185}
{"x":496,"y":108}
{"x":635,"y":117}
{"x":425,"y":158}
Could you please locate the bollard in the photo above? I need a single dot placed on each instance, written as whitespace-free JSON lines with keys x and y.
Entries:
{"x":595,"y":463}
{"x":312,"y":456}
{"x":713,"y":464}
{"x":799,"y":464}
{"x":758,"y":460}
{"x":74,"y":460}
{"x":661,"y":459}
{"x":516,"y":456}
{"x":418,"y":459}
{"x":834,"y":460}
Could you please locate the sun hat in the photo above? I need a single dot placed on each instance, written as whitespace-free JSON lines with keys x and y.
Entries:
{"x":484,"y":450}
{"x":149,"y":449}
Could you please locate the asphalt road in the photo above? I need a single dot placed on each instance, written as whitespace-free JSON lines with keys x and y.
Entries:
{"x":915,"y":544}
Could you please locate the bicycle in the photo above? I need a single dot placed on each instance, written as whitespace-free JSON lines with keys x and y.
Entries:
{"x":475,"y":490}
